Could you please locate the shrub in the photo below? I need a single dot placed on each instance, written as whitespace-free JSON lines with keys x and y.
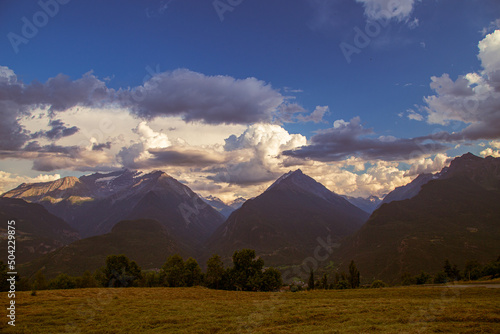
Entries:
{"x":378,"y":284}
{"x":341,"y":285}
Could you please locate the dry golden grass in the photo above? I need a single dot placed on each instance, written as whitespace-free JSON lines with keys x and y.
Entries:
{"x":199,"y":310}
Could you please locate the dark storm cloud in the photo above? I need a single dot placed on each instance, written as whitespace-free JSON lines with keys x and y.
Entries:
{"x":170,"y":156}
{"x":183,"y":157}
{"x":17,"y":100}
{"x":100,"y":147}
{"x":347,"y":139}
{"x":197,"y":97}
{"x":60,"y":92}
{"x":58,"y":130}
{"x":12,"y":134}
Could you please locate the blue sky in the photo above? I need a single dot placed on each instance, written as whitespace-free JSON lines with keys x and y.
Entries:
{"x":293,"y":49}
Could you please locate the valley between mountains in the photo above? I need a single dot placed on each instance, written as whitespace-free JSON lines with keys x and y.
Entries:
{"x":72,"y":224}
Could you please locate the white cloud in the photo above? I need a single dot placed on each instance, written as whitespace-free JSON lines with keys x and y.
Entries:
{"x":495,"y":144}
{"x":316,"y":116}
{"x":473,"y":99}
{"x":388,"y":9}
{"x":379,"y":179}
{"x":491,"y":27}
{"x":260,"y":148}
{"x":414,"y":115}
{"x":494,"y":150}
{"x":428,"y":165}
{"x":489,"y":151}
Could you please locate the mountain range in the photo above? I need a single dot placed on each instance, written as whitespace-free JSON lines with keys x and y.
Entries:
{"x":93,"y":204}
{"x":451,"y":215}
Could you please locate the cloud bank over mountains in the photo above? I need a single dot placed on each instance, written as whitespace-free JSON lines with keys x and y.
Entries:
{"x":229,"y":135}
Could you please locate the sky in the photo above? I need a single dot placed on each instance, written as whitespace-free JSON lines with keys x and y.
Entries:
{"x":227,"y":95}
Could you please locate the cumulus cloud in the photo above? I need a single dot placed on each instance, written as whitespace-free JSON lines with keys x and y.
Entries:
{"x":258,"y":149}
{"x":428,"y":165}
{"x":388,"y":9}
{"x":154,"y":149}
{"x":493,"y":150}
{"x":378,"y":179}
{"x":473,"y":99}
{"x":348,"y":139}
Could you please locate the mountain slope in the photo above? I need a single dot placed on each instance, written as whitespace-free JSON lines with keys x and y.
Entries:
{"x":407,"y":191}
{"x":284,"y":222}
{"x":37,"y":231}
{"x":455,"y":217}
{"x":93,"y":204}
{"x":144,"y":241}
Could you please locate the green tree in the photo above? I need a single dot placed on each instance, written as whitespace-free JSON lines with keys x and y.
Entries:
{"x":336,"y":279}
{"x":63,"y":281}
{"x":174,"y":271}
{"x":492,"y":269}
{"x":440,"y":277}
{"x":192,"y":272}
{"x":247,"y":270}
{"x":271,"y":280}
{"x":423,"y":278}
{"x":87,"y":281}
{"x":353,"y":275}
{"x":451,"y":272}
{"x":215,"y":272}
{"x":310,"y":282}
{"x":472,"y":270}
{"x":120,"y":272}
{"x":407,"y":279}
{"x":151,"y":279}
{"x":324,"y":281}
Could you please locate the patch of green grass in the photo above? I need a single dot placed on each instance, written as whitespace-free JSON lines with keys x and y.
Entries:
{"x":200,"y":310}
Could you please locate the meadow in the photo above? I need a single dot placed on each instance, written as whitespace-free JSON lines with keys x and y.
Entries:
{"x":442,"y":309}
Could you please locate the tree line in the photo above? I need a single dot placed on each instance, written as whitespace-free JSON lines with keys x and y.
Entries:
{"x":247,"y":273}
{"x":473,"y":270}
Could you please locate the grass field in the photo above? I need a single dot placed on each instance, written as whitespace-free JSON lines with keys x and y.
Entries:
{"x":199,"y":310}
